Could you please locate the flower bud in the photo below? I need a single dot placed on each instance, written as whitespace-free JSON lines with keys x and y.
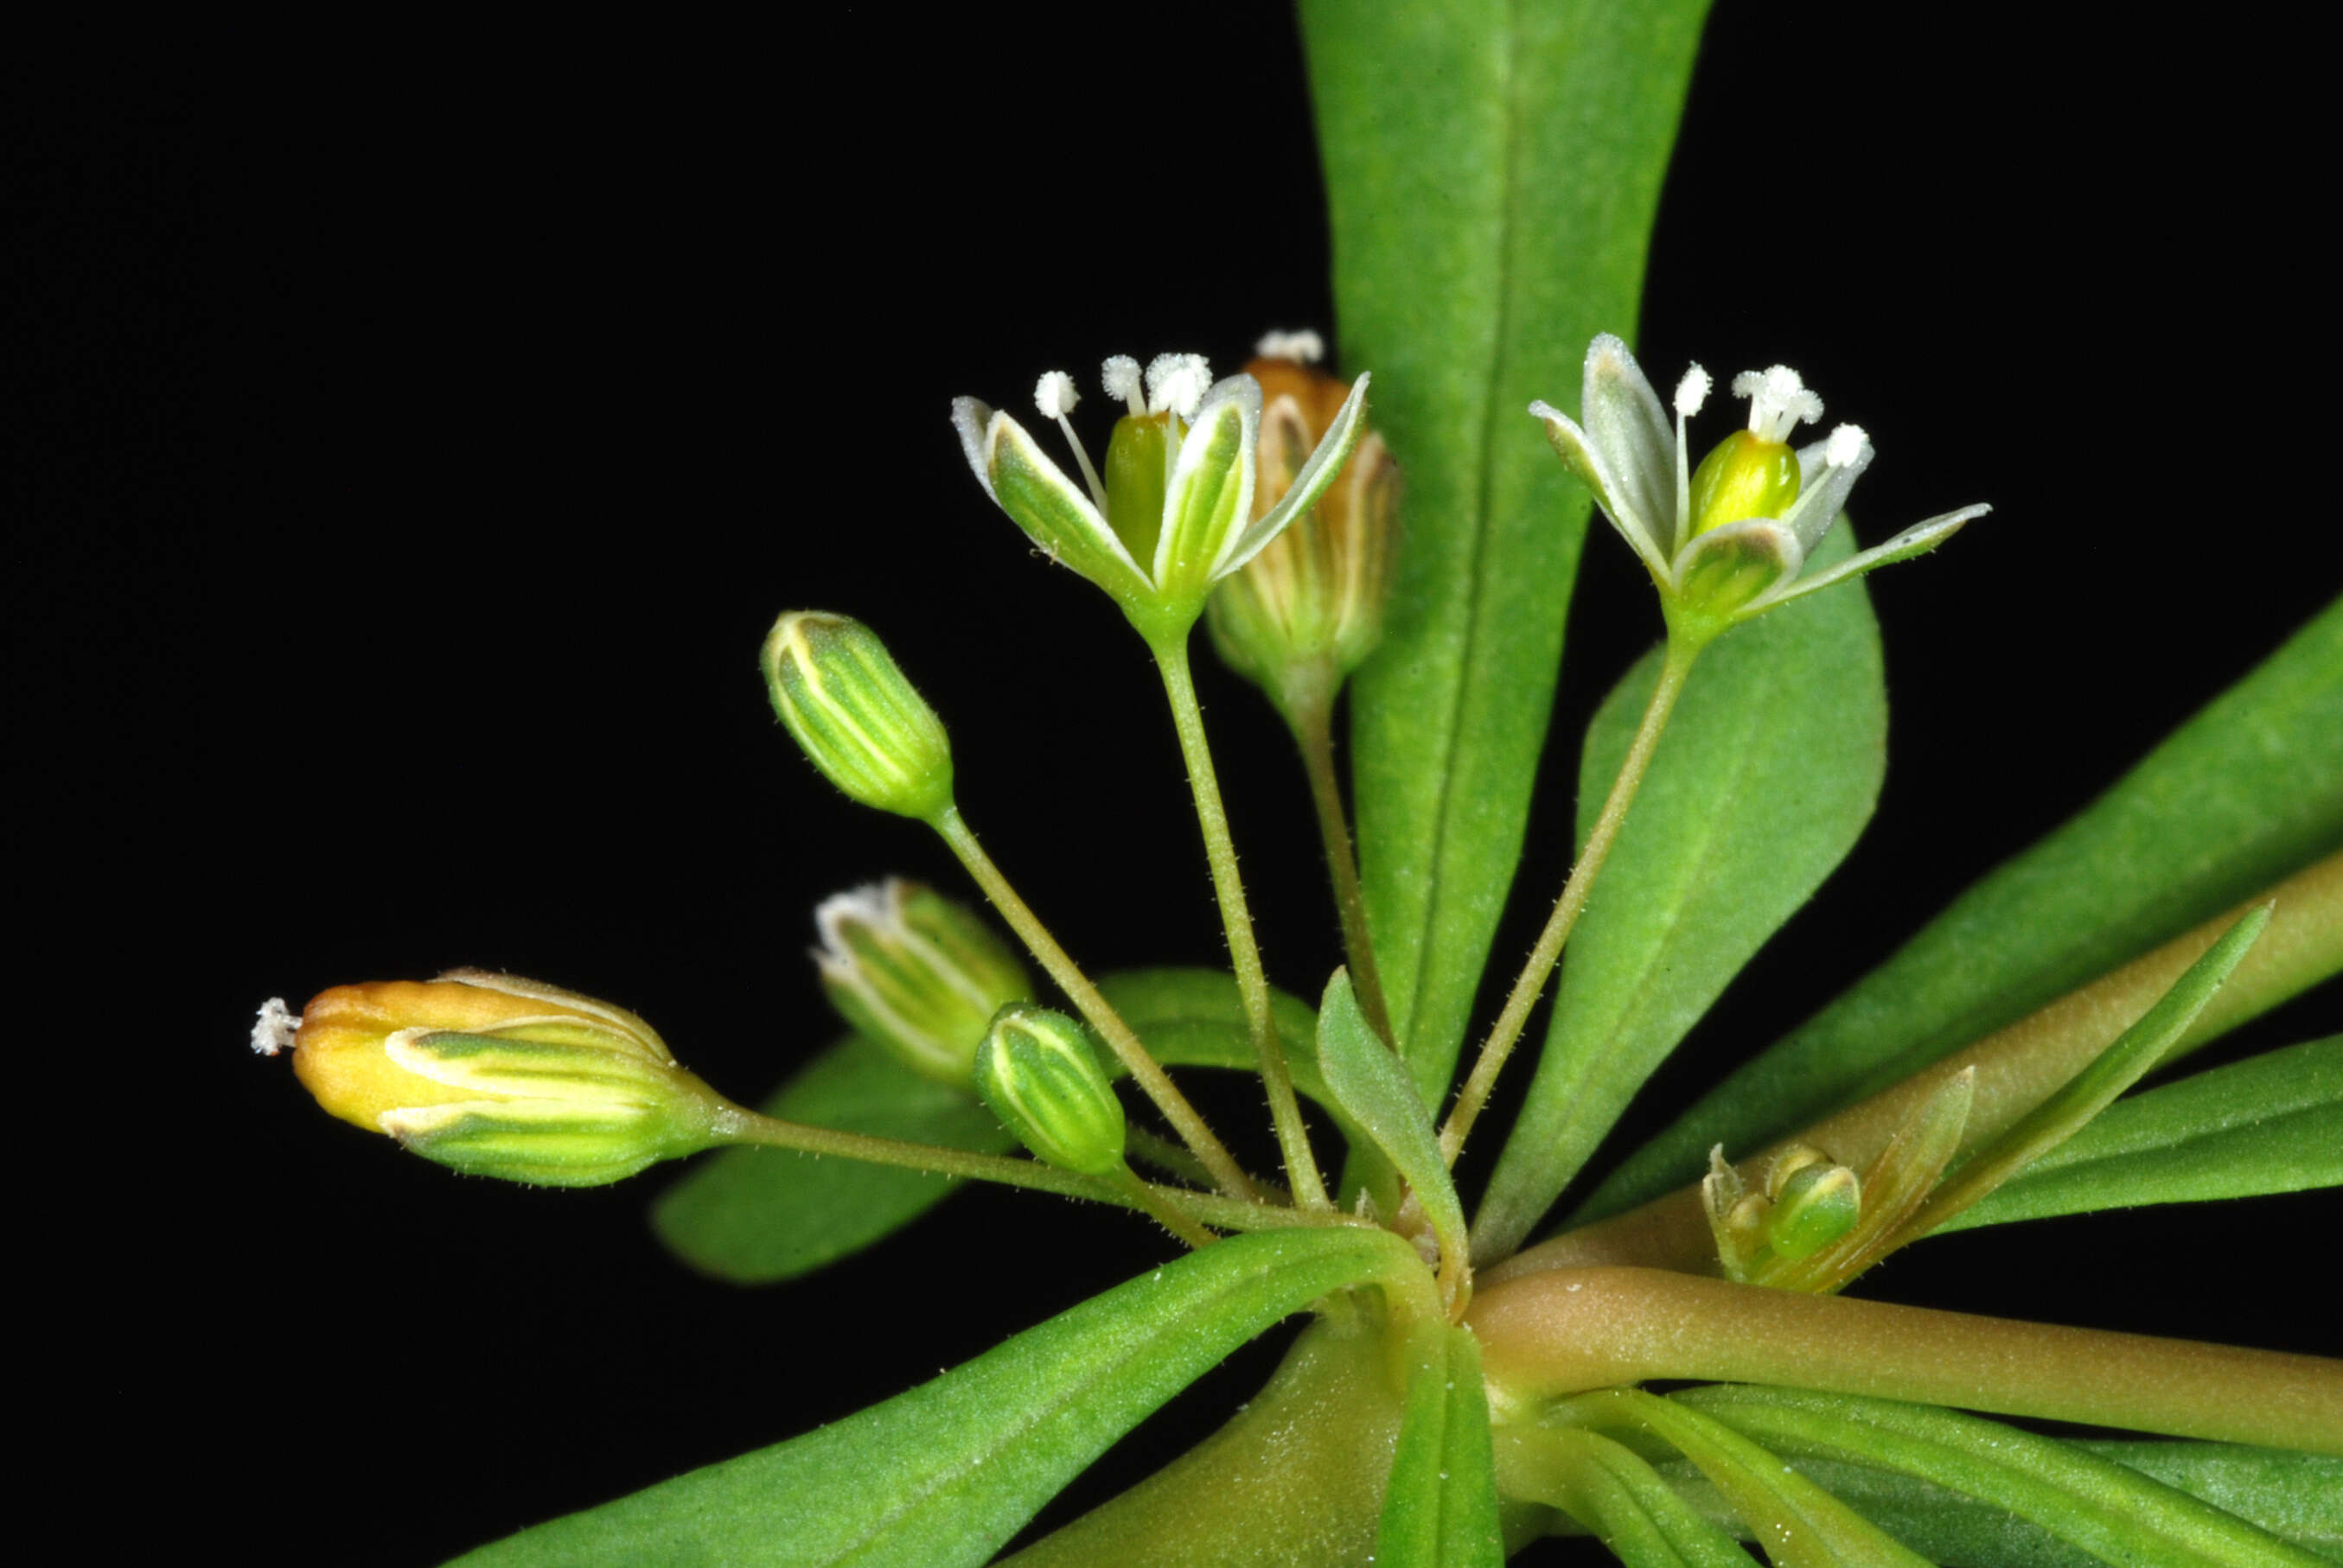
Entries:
{"x":850,"y":710}
{"x":918,"y":973}
{"x":499,"y":1076}
{"x":1816,"y":1205}
{"x":1309,"y":608}
{"x":1038,"y":1073}
{"x":1745,"y":476}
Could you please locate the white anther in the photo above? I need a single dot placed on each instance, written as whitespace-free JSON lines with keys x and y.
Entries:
{"x":274,"y":1029}
{"x":1177,"y":382}
{"x":1304,"y":348}
{"x":1054,"y":395}
{"x":1844,"y":446}
{"x":1119,"y":376}
{"x":1693,"y":391}
{"x":1778,"y":401}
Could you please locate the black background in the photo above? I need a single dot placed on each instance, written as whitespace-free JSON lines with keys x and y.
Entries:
{"x":411,"y":456}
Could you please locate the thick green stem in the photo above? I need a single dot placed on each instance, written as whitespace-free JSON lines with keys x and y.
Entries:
{"x":1313,"y":730}
{"x":1244,"y":955}
{"x":734,"y":1124}
{"x":1565,"y":1331}
{"x":1143,"y":1068}
{"x":1507,"y":1030}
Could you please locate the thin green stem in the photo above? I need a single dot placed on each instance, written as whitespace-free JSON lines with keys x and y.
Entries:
{"x":1565,"y":1331}
{"x":735,"y":1124}
{"x":1313,"y":730}
{"x":1244,"y":955}
{"x":1168,"y":1215}
{"x":1143,"y":1068}
{"x":1507,"y":1030}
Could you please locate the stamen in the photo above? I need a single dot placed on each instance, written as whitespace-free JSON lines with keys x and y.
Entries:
{"x":1119,"y":376}
{"x":274,"y":1029}
{"x":1177,"y":382}
{"x":1693,"y":391}
{"x":1844,"y":446}
{"x":1054,"y":395}
{"x":1778,"y":401}
{"x":1304,"y":348}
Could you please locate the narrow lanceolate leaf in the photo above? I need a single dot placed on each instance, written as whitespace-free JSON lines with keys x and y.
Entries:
{"x":2247,"y":792}
{"x":1764,"y":779}
{"x":1373,"y":1086}
{"x":2093,"y":1089}
{"x":2298,"y":1496}
{"x":2101,"y":1507}
{"x":1611,"y":1491}
{"x":2273,"y":1123}
{"x":753,"y":1216}
{"x":940,"y":1477}
{"x":1539,"y":134}
{"x":1799,"y":1525}
{"x":1440,"y":1508}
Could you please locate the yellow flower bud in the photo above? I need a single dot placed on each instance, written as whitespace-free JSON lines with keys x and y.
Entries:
{"x":501,"y":1076}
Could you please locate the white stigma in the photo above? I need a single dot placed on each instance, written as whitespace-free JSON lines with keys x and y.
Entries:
{"x":1778,"y":401}
{"x":1119,"y":376}
{"x":1693,"y":391}
{"x":1054,"y":395}
{"x":1304,"y":348}
{"x":274,"y":1029}
{"x":1177,"y":382}
{"x":1844,"y":446}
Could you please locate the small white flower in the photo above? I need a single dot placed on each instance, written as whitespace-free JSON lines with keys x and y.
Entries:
{"x":1732,"y":567}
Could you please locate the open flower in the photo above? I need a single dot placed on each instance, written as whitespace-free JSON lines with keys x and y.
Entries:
{"x":1730,"y":540}
{"x":1172,"y":512}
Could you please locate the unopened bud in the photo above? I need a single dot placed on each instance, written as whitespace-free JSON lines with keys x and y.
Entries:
{"x":1816,"y":1205}
{"x":1745,"y":476}
{"x":499,"y":1076}
{"x":918,"y":973}
{"x":1788,"y":1163}
{"x":848,"y":707}
{"x":1038,"y":1073}
{"x":1309,"y":608}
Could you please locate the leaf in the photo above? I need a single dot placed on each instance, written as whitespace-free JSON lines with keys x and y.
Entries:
{"x":1763,"y":779}
{"x":1539,"y":136}
{"x":1374,"y":1088}
{"x":1440,"y":1507}
{"x":754,"y":1216}
{"x":2089,"y":1502}
{"x":2296,"y":1495}
{"x":1614,"y":1493}
{"x":2249,"y":788}
{"x":1799,"y":1525}
{"x":1195,"y":1018}
{"x":2126,"y":1062}
{"x":2272,"y":1124}
{"x":940,"y":1476}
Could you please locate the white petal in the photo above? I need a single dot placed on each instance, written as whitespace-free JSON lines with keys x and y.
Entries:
{"x":970,"y":417}
{"x":1578,"y":455}
{"x":1326,"y":462}
{"x":1625,"y":424}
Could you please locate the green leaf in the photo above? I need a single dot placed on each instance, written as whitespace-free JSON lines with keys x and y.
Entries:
{"x":753,"y":1216}
{"x":1374,"y":1088}
{"x":2126,"y":1062}
{"x":1763,"y":779}
{"x":2273,"y":1123}
{"x":940,"y":1476}
{"x":1799,"y":1525}
{"x":1611,"y":1490}
{"x":1195,"y":1018}
{"x":2296,"y":1495}
{"x":1538,"y":135}
{"x":2247,"y":790}
{"x":1439,"y":1508}
{"x":2089,"y":1502}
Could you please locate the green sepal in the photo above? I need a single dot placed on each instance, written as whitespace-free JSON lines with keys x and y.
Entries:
{"x":1057,"y":516}
{"x":1210,"y":498}
{"x":941,"y":1476}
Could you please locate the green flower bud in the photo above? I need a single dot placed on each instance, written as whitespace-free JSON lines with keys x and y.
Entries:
{"x":1817,"y":1204}
{"x":499,"y":1076}
{"x":1745,"y":476}
{"x":850,"y":710}
{"x":1038,"y":1073}
{"x":1309,"y":608}
{"x":1788,"y":1163}
{"x":917,"y":972}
